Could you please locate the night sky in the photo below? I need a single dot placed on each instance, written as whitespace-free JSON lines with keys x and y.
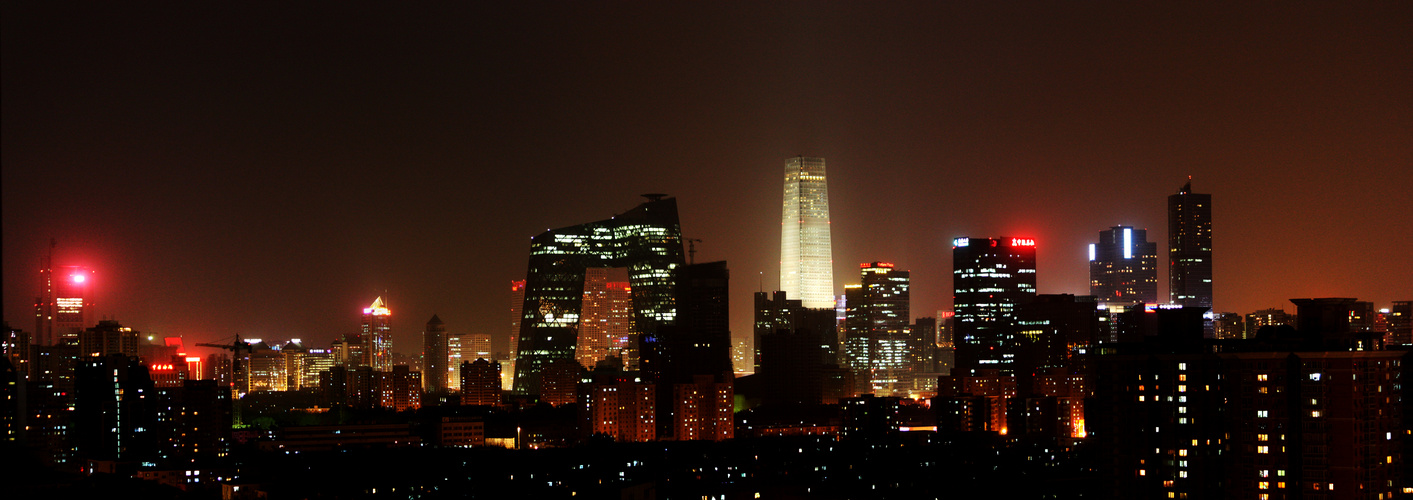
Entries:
{"x":269,"y":170}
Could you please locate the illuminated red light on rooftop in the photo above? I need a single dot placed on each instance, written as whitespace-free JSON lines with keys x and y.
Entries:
{"x":78,"y":278}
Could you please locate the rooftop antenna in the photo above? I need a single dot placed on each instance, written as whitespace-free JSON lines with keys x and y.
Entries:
{"x":692,"y":250}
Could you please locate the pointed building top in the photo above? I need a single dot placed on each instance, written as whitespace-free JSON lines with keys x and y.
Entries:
{"x":379,"y":308}
{"x":435,"y":320}
{"x":1186,"y":188}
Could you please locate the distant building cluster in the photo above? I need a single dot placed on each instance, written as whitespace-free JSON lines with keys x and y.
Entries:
{"x":617,"y":334}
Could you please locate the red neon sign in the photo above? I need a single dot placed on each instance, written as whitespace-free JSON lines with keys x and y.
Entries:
{"x":1022,"y":242}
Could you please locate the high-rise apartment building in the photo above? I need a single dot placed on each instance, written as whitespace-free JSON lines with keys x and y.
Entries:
{"x":480,"y":382}
{"x":1123,"y":267}
{"x":377,"y":336}
{"x":806,"y":261}
{"x":876,"y":329}
{"x":647,"y":240}
{"x":1190,"y":248}
{"x":990,"y":277}
{"x":434,"y":355}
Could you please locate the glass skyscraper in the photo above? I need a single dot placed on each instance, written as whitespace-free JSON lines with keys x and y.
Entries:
{"x":647,"y":240}
{"x":377,"y":336}
{"x":1190,"y":248}
{"x":990,"y":277}
{"x":1123,"y":267}
{"x":806,"y":261}
{"x":877,"y":328}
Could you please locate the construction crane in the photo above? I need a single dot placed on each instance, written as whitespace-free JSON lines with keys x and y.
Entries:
{"x":238,"y":379}
{"x":692,"y":250}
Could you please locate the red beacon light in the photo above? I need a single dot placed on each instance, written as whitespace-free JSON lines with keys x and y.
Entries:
{"x":78,"y":278}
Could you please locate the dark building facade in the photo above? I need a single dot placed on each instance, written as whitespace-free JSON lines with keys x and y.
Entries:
{"x":647,"y":240}
{"x":1123,"y":267}
{"x":990,"y":278}
{"x":1190,"y":248}
{"x":434,"y":356}
{"x":776,"y":311}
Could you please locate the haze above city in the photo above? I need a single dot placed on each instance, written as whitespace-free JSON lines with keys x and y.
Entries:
{"x":268,"y":172}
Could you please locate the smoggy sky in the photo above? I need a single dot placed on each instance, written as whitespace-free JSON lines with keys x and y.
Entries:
{"x":269,"y":170}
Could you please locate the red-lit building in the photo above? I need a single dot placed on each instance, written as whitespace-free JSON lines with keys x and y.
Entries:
{"x":991,"y":277}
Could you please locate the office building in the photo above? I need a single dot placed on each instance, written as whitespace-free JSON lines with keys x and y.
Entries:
{"x":376,"y":336}
{"x":517,"y":302}
{"x":65,"y":303}
{"x":1400,"y":322}
{"x":990,"y":278}
{"x":1123,"y":267}
{"x":605,"y":324}
{"x":108,"y":337}
{"x":775,"y":312}
{"x":876,"y":330}
{"x":435,"y":355}
{"x":647,"y":240}
{"x":806,"y":260}
{"x":1190,"y":248}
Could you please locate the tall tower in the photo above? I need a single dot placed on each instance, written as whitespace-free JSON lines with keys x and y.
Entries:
{"x":1190,"y":247}
{"x":990,"y":277}
{"x":877,"y":329}
{"x":377,"y":336}
{"x":806,"y":261}
{"x":1123,"y":267}
{"x":64,"y":306}
{"x":434,"y":355}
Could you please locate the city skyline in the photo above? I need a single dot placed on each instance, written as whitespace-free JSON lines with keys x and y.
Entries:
{"x":209,"y":206}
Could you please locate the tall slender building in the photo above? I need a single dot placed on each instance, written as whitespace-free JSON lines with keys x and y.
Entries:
{"x":1123,"y":267}
{"x":806,"y":260}
{"x":64,"y":306}
{"x":990,"y":277}
{"x":647,"y":240}
{"x":1190,"y":247}
{"x":377,"y":336}
{"x":434,"y":355}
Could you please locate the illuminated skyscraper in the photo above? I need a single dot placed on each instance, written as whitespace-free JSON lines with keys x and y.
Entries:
{"x":806,"y":261}
{"x":1123,"y":267}
{"x":434,"y":355}
{"x":64,"y":305}
{"x":377,"y":336}
{"x":990,"y":277}
{"x":647,"y":240}
{"x":876,"y":330}
{"x":1190,"y":248}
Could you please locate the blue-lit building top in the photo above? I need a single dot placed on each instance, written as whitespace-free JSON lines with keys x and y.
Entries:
{"x":1123,"y":267}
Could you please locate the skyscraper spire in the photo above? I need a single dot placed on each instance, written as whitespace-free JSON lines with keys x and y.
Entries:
{"x":806,"y":259}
